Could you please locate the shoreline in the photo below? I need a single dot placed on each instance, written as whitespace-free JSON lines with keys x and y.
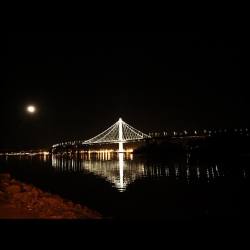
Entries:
{"x":19,"y":200}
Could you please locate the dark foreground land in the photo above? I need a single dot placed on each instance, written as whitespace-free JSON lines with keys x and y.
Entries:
{"x":22,"y":201}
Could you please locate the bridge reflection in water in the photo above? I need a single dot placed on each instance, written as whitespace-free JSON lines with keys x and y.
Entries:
{"x":122,"y":169}
{"x":119,"y":169}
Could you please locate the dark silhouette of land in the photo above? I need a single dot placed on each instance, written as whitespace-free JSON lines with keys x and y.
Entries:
{"x":215,"y":147}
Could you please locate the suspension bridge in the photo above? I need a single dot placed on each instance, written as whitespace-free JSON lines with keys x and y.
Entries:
{"x":119,"y":133}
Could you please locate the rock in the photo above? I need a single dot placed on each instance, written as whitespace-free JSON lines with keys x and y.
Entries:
{"x":4,"y":184}
{"x":19,"y":196}
{"x":43,"y":215}
{"x":78,"y":207}
{"x":45,"y":205}
{"x":51,"y":201}
{"x":70,"y":204}
{"x":25,"y":198}
{"x":13,"y":189}
{"x":35,"y":192}
{"x":55,"y":217}
{"x":2,"y":196}
{"x":26,"y":188}
{"x":5,"y":177}
{"x":57,"y":197}
{"x":69,"y":215}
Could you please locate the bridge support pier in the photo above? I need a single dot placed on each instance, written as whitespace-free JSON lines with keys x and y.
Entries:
{"x":121,"y":149}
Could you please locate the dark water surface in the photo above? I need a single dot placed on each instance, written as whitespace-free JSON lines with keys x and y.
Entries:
{"x":128,"y":186}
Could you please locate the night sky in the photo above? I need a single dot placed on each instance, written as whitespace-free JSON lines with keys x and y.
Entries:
{"x":83,"y":82}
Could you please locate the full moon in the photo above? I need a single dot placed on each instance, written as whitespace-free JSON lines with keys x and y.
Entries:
{"x":31,"y":109}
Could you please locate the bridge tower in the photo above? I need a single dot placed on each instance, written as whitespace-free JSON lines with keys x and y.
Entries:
{"x":121,"y":149}
{"x":120,"y":132}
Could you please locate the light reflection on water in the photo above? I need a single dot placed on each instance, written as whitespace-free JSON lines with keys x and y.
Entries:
{"x":119,"y":169}
{"x":122,"y":169}
{"x":126,"y":185}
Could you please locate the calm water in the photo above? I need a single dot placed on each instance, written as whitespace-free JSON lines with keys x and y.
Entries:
{"x":128,"y":186}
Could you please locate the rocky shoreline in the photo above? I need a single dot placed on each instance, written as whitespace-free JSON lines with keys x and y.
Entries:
{"x":24,"y":201}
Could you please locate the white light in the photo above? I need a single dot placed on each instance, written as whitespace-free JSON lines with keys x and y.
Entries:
{"x":31,"y":109}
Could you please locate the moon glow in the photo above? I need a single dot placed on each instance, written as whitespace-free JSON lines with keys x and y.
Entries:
{"x":31,"y":109}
